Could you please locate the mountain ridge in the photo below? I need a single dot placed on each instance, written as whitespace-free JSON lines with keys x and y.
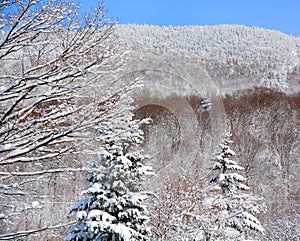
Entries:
{"x":230,"y":53}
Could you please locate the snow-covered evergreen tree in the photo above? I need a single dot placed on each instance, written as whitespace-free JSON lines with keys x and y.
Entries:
{"x":114,"y":209}
{"x":230,"y":210}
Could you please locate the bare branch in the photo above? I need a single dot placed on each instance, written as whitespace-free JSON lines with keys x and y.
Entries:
{"x":38,"y":173}
{"x":20,"y":234}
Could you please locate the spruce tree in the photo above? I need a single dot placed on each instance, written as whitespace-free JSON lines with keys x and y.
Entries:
{"x":229,"y":207}
{"x":113,"y":209}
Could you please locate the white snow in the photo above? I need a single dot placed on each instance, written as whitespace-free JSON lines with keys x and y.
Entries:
{"x":122,"y":230}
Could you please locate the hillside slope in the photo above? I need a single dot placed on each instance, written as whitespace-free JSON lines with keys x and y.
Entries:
{"x":232,"y":55}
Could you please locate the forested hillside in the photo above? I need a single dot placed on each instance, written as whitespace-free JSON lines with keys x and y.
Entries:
{"x":230,"y":53}
{"x":199,"y":83}
{"x":71,"y":100}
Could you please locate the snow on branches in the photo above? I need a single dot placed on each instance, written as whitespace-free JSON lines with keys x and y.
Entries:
{"x":230,"y":211}
{"x":114,"y":209}
{"x":57,"y":83}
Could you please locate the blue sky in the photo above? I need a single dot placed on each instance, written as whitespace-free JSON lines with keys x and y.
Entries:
{"x":282,"y":15}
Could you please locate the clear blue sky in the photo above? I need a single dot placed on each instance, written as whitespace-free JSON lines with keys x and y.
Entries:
{"x":282,"y":15}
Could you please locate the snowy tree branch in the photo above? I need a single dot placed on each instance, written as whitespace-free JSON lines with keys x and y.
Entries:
{"x":20,"y":234}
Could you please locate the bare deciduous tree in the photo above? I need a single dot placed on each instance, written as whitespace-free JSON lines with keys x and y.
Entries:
{"x":57,"y":83}
{"x":172,"y":210}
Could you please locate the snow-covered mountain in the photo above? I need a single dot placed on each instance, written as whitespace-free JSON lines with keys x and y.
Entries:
{"x":234,"y":56}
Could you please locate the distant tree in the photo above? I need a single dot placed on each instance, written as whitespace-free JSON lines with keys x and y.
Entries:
{"x":171,"y":212}
{"x":286,"y":227}
{"x":114,"y":208}
{"x":229,"y":210}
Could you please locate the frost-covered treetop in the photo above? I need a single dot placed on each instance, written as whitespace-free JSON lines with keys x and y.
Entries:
{"x":230,"y":208}
{"x":113,"y":208}
{"x":223,"y":163}
{"x":271,"y":53}
{"x":216,"y":42}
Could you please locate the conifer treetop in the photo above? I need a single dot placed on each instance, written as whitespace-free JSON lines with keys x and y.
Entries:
{"x":114,"y":209}
{"x":230,"y":209}
{"x":223,"y":163}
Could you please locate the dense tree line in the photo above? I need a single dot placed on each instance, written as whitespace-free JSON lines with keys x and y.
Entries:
{"x":265,"y":132}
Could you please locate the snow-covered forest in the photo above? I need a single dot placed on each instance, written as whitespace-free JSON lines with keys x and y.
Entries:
{"x":137,"y":132}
